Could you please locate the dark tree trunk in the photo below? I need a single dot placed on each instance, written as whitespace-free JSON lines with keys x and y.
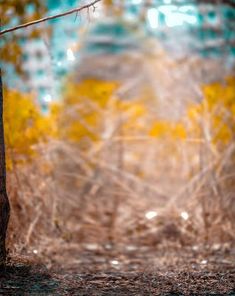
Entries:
{"x":4,"y":202}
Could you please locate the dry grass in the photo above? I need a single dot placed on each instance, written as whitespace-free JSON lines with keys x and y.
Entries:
{"x":66,"y":195}
{"x":102,"y":195}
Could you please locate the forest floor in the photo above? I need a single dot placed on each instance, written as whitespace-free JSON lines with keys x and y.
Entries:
{"x":130,"y":270}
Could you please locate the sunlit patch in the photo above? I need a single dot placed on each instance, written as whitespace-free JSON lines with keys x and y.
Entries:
{"x":179,"y":19}
{"x":150,"y":215}
{"x":153,"y":18}
{"x":175,"y":16}
{"x":114,"y":262}
{"x":131,"y":248}
{"x":108,"y":246}
{"x":167,"y":9}
{"x":188,"y":9}
{"x":195,"y":248}
{"x":184,"y":215}
{"x":35,"y":251}
{"x":167,"y":1}
{"x":91,"y":247}
{"x":47,"y":98}
{"x":70,"y":55}
{"x":136,"y":2}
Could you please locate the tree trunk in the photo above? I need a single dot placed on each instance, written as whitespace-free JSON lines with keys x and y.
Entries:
{"x":4,"y":202}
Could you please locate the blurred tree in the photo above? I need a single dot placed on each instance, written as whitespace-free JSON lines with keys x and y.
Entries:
{"x":11,"y":12}
{"x":16,"y":12}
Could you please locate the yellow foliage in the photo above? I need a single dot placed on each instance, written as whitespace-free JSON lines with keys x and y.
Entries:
{"x":79,"y":114}
{"x":91,"y":107}
{"x":24,"y":126}
{"x":173,"y":130}
{"x":216,"y":112}
{"x":214,"y":116}
{"x":90,"y":89}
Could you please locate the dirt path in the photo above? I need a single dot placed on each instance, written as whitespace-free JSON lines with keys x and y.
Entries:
{"x":141,"y":271}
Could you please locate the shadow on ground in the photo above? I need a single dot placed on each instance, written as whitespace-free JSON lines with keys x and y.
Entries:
{"x":143,"y":272}
{"x":27,"y":280}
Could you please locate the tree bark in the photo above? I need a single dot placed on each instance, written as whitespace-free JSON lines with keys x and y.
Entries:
{"x":4,"y":202}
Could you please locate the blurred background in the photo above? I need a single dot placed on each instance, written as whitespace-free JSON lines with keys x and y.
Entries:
{"x":120,"y":123}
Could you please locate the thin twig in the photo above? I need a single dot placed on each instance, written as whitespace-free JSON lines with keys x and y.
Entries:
{"x":87,"y":6}
{"x":32,"y":225}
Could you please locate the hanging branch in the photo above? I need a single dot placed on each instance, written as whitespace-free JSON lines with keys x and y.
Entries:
{"x":75,"y":10}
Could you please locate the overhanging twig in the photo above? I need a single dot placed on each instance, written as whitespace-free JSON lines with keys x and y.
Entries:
{"x":87,"y":6}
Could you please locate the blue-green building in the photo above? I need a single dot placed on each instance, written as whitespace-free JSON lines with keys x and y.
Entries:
{"x":182,"y":27}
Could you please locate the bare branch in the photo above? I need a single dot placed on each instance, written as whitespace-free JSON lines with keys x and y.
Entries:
{"x":78,"y":9}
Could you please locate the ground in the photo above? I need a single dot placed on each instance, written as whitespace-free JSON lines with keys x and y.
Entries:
{"x":130,"y":270}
